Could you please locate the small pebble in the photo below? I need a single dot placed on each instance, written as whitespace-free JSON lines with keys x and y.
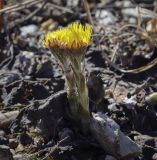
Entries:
{"x":13,"y":143}
{"x":30,"y":29}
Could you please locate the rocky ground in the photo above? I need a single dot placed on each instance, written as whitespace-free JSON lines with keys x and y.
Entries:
{"x":120,"y":66}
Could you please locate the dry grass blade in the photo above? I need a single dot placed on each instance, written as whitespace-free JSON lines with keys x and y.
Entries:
{"x":147,"y":12}
{"x":86,"y":6}
{"x":20,"y":6}
{"x":148,"y":66}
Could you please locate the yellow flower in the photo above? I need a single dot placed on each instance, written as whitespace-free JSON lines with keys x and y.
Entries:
{"x":74,"y":37}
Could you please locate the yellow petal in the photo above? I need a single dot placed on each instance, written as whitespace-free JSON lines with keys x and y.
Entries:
{"x":74,"y":37}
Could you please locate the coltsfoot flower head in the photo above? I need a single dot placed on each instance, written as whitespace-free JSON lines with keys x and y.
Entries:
{"x":74,"y":37}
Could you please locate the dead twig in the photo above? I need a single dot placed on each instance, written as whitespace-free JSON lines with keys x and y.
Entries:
{"x":28,"y":4}
{"x":114,"y":52}
{"x":65,"y":9}
{"x":54,"y":148}
{"x":1,"y":17}
{"x":147,"y":67}
{"x":86,"y":6}
{"x":147,"y":12}
{"x":19,"y":6}
{"x":50,"y":150}
{"x":33,"y":13}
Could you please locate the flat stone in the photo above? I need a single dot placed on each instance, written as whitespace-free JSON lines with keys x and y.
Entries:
{"x":2,"y":133}
{"x":5,"y":153}
{"x":109,"y":158}
{"x":3,"y":141}
{"x":21,"y":157}
{"x":155,"y":156}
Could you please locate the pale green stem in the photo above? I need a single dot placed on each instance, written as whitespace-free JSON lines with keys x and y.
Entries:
{"x":76,"y":87}
{"x":79,"y":73}
{"x":71,"y":85}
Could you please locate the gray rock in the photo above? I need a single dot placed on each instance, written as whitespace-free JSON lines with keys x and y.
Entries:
{"x":8,"y":77}
{"x":109,"y":158}
{"x":21,"y":157}
{"x":30,"y":29}
{"x":5,"y":153}
{"x":7,"y":118}
{"x":13,"y":143}
{"x":3,"y":141}
{"x":130,"y":102}
{"x":155,"y":156}
{"x":2,"y":133}
{"x":105,"y":17}
{"x":107,"y":132}
{"x":46,"y":114}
